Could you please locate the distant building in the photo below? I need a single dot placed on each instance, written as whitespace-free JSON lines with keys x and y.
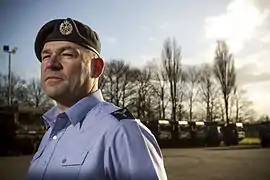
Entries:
{"x":27,"y":117}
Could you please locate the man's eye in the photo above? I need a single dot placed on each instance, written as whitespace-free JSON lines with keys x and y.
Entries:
{"x":45,"y":57}
{"x":67,"y":54}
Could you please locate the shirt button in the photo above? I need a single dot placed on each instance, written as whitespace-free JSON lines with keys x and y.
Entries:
{"x":44,"y":163}
{"x":64,"y":160}
{"x":54,"y":137}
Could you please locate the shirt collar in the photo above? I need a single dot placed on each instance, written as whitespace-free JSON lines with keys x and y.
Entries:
{"x":77,"y":112}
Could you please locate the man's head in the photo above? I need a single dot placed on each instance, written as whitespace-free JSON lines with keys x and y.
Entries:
{"x":70,"y":64}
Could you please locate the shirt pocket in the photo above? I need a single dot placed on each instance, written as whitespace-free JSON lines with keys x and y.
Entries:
{"x":74,"y":159}
{"x":72,"y":164}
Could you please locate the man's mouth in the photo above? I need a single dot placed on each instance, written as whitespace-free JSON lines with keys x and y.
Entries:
{"x":53,"y":78}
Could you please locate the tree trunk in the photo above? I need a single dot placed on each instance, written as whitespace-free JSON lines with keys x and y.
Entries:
{"x":227,"y":109}
{"x":237,"y":111}
{"x":162,"y":101}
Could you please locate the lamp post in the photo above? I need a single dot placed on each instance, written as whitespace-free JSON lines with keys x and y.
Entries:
{"x":9,"y":51}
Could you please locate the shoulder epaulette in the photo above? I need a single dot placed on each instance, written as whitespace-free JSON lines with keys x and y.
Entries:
{"x":121,"y":114}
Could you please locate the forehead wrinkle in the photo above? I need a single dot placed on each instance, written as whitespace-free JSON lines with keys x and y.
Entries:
{"x":61,"y":45}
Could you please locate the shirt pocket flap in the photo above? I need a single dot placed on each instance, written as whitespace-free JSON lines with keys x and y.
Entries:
{"x":75,"y":159}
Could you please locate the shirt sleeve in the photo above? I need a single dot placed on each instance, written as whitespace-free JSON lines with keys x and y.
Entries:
{"x":132,"y":153}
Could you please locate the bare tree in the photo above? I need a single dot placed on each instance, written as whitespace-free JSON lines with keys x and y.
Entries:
{"x":208,"y":90}
{"x":112,"y":74}
{"x":130,"y":78}
{"x":143,"y":93}
{"x":23,"y":93}
{"x":16,"y":82}
{"x":117,"y":82}
{"x":159,"y":86}
{"x":264,"y":118}
{"x":103,"y":80}
{"x":241,"y":106}
{"x":182,"y":96}
{"x":3,"y":89}
{"x":171,"y":60}
{"x":218,"y":108}
{"x":225,"y":73}
{"x":15,"y":86}
{"x":192,"y":89}
{"x":36,"y":95}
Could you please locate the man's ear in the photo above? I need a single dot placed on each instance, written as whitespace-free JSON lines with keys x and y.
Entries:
{"x":97,"y":65}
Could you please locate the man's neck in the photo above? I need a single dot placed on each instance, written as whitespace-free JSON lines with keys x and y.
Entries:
{"x":64,"y":105}
{"x":61,"y":108}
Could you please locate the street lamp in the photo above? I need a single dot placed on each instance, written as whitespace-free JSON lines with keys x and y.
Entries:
{"x":9,"y":51}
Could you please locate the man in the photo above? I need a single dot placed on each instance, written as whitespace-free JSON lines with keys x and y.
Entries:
{"x":87,"y":138}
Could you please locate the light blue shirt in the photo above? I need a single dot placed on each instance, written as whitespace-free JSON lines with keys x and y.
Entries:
{"x":95,"y":140}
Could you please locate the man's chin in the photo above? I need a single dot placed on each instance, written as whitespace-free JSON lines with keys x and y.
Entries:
{"x":56,"y":94}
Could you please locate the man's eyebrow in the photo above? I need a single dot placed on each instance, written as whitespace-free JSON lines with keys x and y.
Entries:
{"x":64,"y":48}
{"x":46,"y":51}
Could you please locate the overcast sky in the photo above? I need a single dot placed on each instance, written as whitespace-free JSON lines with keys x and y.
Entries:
{"x":135,"y":31}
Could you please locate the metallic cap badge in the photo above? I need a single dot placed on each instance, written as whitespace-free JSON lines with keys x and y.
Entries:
{"x":65,"y":28}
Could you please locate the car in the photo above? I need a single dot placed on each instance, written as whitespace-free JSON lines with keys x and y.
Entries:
{"x":264,"y":133}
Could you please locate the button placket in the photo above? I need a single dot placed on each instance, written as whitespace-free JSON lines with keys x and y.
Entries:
{"x":59,"y":125}
{"x":45,"y":163}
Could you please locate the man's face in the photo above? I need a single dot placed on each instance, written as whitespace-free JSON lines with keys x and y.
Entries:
{"x":64,"y":72}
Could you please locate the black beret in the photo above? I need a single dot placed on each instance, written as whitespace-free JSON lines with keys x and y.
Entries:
{"x":67,"y":30}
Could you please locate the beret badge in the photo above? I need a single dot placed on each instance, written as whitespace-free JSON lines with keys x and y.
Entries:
{"x":65,"y":28}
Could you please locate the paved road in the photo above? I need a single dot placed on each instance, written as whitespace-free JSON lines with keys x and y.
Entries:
{"x":241,"y":163}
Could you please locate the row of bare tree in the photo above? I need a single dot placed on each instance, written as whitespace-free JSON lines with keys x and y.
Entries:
{"x":171,"y":90}
{"x":24,"y":93}
{"x":161,"y":90}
